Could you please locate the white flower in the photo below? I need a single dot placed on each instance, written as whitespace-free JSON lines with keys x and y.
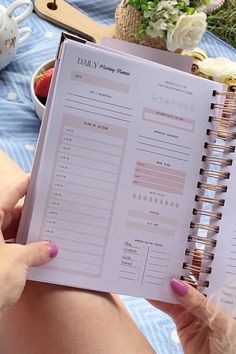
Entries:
{"x":186,"y":2}
{"x":188,"y":32}
{"x":220,"y":69}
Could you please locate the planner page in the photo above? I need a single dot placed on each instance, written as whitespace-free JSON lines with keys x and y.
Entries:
{"x":120,"y":151}
{"x":222,"y":280}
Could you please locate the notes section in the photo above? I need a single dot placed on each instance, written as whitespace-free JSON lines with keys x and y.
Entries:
{"x":83,"y":190}
{"x":146,"y":264}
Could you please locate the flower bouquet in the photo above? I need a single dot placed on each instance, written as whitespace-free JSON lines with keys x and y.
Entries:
{"x":171,"y":25}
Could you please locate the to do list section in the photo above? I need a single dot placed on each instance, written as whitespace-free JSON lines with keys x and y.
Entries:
{"x":83,"y":190}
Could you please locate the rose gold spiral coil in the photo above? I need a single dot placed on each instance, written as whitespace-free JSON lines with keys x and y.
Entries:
{"x":222,"y":134}
{"x":195,"y":283}
{"x":210,"y":228}
{"x":214,"y":174}
{"x":223,"y":121}
{"x":226,"y":107}
{"x":211,"y":214}
{"x":214,"y":201}
{"x":225,"y":93}
{"x":200,"y":254}
{"x":220,"y":148}
{"x":212,"y":187}
{"x":222,"y":161}
{"x":202,"y":240}
{"x":197,"y":269}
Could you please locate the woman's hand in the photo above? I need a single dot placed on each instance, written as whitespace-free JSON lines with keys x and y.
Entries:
{"x":202,"y":327}
{"x":15,"y":259}
{"x":10,"y":172}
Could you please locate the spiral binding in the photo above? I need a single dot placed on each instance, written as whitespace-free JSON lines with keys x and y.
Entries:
{"x":194,"y":282}
{"x":223,"y":121}
{"x":212,"y":187}
{"x":202,"y":240}
{"x":214,"y":174}
{"x":198,"y":251}
{"x":220,"y":148}
{"x":222,"y":134}
{"x":217,"y":160}
{"x":212,"y":214}
{"x":213,"y":201}
{"x":201,"y":254}
{"x":197,"y":269}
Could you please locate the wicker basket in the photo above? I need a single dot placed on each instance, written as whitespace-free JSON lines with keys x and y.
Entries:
{"x":128,"y":23}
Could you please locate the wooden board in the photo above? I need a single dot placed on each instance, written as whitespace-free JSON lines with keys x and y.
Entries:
{"x":68,"y":17}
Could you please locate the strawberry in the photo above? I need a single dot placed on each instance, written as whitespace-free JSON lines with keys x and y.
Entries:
{"x":43,"y":83}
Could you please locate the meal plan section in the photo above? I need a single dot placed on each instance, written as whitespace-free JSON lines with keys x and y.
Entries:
{"x":83,"y":190}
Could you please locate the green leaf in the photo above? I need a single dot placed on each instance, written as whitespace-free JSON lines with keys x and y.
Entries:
{"x":190,"y":10}
{"x":140,"y":34}
{"x":144,"y":8}
{"x":151,"y":5}
{"x":182,"y":6}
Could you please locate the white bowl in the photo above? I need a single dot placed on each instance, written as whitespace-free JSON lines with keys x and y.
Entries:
{"x":39,"y":107}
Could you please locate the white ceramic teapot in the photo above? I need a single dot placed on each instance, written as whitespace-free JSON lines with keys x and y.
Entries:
{"x":10,"y":35}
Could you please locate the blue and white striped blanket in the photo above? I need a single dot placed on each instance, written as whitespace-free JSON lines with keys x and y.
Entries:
{"x":20,"y":126}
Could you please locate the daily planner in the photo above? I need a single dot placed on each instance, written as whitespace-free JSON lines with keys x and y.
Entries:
{"x":132,"y":178}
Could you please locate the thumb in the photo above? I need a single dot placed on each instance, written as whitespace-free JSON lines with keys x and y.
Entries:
{"x":38,"y":253}
{"x":198,"y":305}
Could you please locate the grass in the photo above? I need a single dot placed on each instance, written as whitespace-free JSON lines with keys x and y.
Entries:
{"x":222,"y":22}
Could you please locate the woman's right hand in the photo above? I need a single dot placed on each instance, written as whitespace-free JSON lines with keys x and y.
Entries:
{"x":202,"y":327}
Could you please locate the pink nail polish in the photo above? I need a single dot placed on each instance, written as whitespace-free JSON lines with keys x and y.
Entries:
{"x":179,"y":287}
{"x":52,"y":249}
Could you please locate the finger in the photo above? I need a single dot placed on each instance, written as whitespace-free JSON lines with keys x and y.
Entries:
{"x":38,"y":253}
{"x":11,"y":222}
{"x":199,"y":306}
{"x":11,"y":195}
{"x":9,"y":170}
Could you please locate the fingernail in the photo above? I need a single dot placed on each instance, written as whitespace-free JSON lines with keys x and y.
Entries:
{"x":52,"y":249}
{"x":179,"y":287}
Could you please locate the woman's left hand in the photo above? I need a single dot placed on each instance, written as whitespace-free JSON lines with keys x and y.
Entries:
{"x":16,"y":259}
